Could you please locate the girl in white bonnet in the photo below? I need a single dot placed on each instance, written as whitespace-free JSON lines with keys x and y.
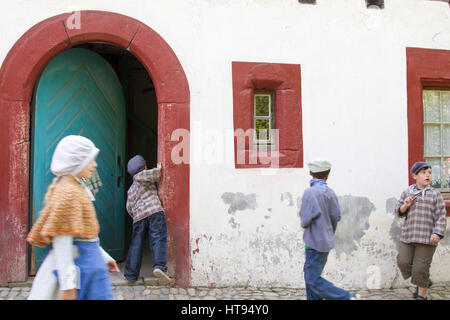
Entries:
{"x":76,"y":267}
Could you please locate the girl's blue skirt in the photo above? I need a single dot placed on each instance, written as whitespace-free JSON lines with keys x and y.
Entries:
{"x":95,"y":283}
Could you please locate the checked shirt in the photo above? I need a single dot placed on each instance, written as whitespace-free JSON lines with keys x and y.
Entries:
{"x":143,"y":200}
{"x":93,"y":183}
{"x":426,"y":216}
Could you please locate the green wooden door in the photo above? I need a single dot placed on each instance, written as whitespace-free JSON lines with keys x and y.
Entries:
{"x":79,"y":93}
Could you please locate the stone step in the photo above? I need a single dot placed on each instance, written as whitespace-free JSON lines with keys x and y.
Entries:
{"x":142,"y":281}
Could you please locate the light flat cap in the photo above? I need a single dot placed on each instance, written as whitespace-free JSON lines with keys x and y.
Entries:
{"x":319,"y":166}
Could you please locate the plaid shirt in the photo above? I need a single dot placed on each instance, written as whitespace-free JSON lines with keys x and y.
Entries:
{"x":143,"y":200}
{"x":93,"y":183}
{"x":425,"y":217}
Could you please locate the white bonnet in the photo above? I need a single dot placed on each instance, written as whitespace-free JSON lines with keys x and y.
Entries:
{"x":72,"y":154}
{"x":319,"y":165}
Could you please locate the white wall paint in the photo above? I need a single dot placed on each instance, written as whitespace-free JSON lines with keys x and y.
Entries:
{"x":353,"y":64}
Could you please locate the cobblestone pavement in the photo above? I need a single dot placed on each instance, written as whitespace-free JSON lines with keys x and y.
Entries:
{"x":148,"y":290}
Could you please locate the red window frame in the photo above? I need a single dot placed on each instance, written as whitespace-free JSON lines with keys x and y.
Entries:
{"x":426,"y":68}
{"x":285,"y":81}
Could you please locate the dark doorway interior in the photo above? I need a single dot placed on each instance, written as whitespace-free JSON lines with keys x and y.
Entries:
{"x":142,"y":118}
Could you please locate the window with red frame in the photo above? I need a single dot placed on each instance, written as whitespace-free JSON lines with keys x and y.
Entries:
{"x":267,"y":115}
{"x":428,"y":93}
{"x":436,"y":135}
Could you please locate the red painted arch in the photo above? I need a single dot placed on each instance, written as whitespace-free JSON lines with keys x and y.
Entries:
{"x":18,"y":74}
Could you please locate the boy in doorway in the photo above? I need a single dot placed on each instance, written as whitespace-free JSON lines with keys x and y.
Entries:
{"x":424,"y":226}
{"x":144,"y":206}
{"x":319,"y":214}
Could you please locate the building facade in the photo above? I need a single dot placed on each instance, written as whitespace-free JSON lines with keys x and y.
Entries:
{"x":364,"y":86}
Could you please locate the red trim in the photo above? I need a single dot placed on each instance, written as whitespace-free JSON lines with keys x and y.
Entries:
{"x":285,"y":80}
{"x":18,"y":74}
{"x":425,"y":68}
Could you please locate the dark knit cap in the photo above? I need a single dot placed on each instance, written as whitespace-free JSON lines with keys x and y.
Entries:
{"x":419,"y":166}
{"x":136,"y":165}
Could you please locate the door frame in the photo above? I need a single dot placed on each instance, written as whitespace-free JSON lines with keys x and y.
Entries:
{"x":18,"y":74}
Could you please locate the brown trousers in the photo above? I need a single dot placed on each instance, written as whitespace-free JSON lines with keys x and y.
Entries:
{"x":414,"y":260}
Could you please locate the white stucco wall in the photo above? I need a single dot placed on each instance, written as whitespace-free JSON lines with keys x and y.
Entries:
{"x":353,"y":68}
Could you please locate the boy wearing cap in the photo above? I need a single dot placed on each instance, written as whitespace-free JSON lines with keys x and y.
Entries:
{"x":144,"y":206}
{"x":319,"y":214}
{"x":425,"y":222}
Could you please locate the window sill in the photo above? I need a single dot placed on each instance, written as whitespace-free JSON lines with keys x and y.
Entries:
{"x":247,"y":159}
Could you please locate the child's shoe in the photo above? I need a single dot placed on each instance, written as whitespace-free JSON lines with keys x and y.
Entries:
{"x":163,"y":278}
{"x":416,"y":293}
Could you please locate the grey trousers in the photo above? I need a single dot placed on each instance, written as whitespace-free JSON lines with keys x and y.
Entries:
{"x":414,"y":260}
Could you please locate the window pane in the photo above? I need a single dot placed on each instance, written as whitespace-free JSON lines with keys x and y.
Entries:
{"x":262,"y":127}
{"x":436,"y":172}
{"x":431,"y":140}
{"x":446,"y":138}
{"x":445,"y":105}
{"x":262,"y":105}
{"x":446,"y":171}
{"x":431,"y":109}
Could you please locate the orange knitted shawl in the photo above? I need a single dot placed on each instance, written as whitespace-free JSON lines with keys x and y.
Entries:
{"x":67,"y":211}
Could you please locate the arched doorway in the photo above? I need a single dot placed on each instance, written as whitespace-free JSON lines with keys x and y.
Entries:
{"x":18,"y":74}
{"x":79,"y":93}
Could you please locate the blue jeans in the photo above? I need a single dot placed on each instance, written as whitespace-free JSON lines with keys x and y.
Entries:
{"x":317,"y":288}
{"x":155,"y":227}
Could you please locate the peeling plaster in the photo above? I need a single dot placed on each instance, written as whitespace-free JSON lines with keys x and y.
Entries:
{"x":299,"y":205}
{"x":395,"y":231}
{"x":390,"y":206}
{"x":233,"y":223}
{"x":287,"y":199}
{"x":272,"y":246}
{"x":268,"y":216}
{"x":446,"y":240}
{"x":198,"y":249}
{"x":239,"y":201}
{"x":355,"y":213}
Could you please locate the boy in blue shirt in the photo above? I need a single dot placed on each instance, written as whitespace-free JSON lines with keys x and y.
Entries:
{"x":319,"y":214}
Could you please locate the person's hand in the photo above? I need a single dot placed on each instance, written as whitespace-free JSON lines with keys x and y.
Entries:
{"x":158,"y":165}
{"x":112,"y":266}
{"x":407,"y":203}
{"x":69,"y":294}
{"x":435,"y":239}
